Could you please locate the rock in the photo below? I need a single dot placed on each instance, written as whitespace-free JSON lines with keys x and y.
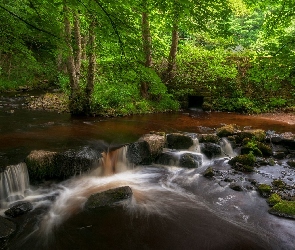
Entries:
{"x":291,"y":163}
{"x":168,"y":158}
{"x":236,"y":186}
{"x":190,"y":160}
{"x":108,"y":198}
{"x":285,"y":139}
{"x":46,"y":165}
{"x":146,"y":149}
{"x":210,"y":150}
{"x":7,"y":228}
{"x":179,"y":141}
{"x":264,"y":190}
{"x":244,"y":163}
{"x":279,"y":155}
{"x":258,"y":134}
{"x":226,"y":130}
{"x":209,"y":172}
{"x":41,"y":164}
{"x":284,"y":209}
{"x":19,"y":209}
{"x":208,"y":138}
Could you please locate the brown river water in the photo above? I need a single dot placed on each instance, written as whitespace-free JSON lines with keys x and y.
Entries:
{"x":172,"y":208}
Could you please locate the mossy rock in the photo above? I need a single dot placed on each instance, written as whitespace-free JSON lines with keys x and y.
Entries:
{"x":226,"y":130}
{"x":179,"y":141}
{"x":209,"y":172}
{"x":284,"y":209}
{"x":258,"y":134}
{"x":291,"y":163}
{"x":265,"y":149}
{"x":248,"y":150}
{"x":210,"y":149}
{"x":209,"y":138}
{"x":41,"y":164}
{"x":244,"y":163}
{"x":279,"y":184}
{"x":188,"y":160}
{"x":264,"y":190}
{"x":274,"y":199}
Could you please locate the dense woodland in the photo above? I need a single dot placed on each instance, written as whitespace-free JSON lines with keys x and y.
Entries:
{"x":138,"y":56}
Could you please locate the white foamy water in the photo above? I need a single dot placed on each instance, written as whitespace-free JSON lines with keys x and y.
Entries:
{"x":14,"y":181}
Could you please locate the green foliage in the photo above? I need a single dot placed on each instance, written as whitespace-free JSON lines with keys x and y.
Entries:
{"x":119,"y":94}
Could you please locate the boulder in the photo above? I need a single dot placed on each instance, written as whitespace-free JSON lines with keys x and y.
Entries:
{"x":179,"y":141}
{"x":46,"y":165}
{"x":146,"y":149}
{"x":208,"y":138}
{"x":237,"y":186}
{"x":291,"y":163}
{"x":19,"y":209}
{"x":108,"y":198}
{"x":227,"y":130}
{"x":258,"y":134}
{"x":190,"y":160}
{"x":210,"y":150}
{"x":41,"y":164}
{"x":209,"y":172}
{"x":244,"y":163}
{"x":184,"y":160}
{"x":285,"y":139}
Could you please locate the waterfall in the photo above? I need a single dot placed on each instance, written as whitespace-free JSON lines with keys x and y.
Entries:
{"x":226,"y":148}
{"x":14,"y":181}
{"x":196,"y":146}
{"x":114,"y":161}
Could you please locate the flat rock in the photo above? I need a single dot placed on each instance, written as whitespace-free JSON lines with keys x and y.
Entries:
{"x":108,"y":198}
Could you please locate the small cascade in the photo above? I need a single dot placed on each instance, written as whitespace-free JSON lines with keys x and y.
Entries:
{"x":114,"y":161}
{"x":14,"y":181}
{"x":196,"y":146}
{"x":226,"y":148}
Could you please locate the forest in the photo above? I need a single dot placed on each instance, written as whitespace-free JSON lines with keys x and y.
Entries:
{"x":130,"y":57}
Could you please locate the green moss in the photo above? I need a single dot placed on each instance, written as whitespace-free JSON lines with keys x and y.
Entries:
{"x":278,"y":183}
{"x":274,"y":199}
{"x":264,"y":190}
{"x":244,"y":163}
{"x":226,"y":130}
{"x":255,"y":134}
{"x":284,"y":208}
{"x":208,"y":172}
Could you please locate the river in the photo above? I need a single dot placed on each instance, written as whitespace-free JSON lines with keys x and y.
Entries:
{"x":172,"y":208}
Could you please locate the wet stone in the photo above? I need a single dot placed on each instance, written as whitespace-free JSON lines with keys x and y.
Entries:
{"x":19,"y":209}
{"x":108,"y":198}
{"x":236,"y":186}
{"x":188,"y":160}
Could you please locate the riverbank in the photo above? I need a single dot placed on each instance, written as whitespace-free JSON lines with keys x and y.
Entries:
{"x":288,"y":118}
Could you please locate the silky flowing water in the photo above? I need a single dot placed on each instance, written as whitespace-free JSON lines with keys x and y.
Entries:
{"x":171,"y":208}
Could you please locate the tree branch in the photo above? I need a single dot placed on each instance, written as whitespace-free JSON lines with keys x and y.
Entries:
{"x":27,"y":23}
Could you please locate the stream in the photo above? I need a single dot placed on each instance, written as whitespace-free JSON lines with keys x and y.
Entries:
{"x":171,"y":208}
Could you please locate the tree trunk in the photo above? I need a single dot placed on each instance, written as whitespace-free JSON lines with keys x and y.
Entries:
{"x":91,"y":66}
{"x":147,"y":47}
{"x":70,"y":53}
{"x":170,"y":72}
{"x":78,"y":45}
